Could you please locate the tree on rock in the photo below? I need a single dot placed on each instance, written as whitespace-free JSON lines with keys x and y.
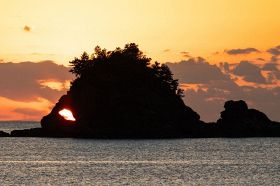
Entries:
{"x":120,"y":93}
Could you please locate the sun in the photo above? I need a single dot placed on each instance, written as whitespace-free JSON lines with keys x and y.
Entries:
{"x":67,"y":114}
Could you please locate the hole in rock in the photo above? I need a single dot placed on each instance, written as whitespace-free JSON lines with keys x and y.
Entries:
{"x":67,"y":114}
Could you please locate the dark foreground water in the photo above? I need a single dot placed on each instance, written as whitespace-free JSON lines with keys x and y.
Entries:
{"x":49,"y":161}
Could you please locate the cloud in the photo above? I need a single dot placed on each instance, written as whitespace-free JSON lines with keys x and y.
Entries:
{"x":27,"y":28}
{"x":196,"y":70}
{"x":21,"y":81}
{"x":261,"y":59}
{"x":166,"y":50}
{"x":185,"y":54}
{"x":274,"y":51}
{"x":249,"y":71}
{"x":274,"y":59}
{"x":270,"y":67}
{"x":216,"y":53}
{"x":28,"y":111}
{"x":212,"y":86}
{"x":241,"y":51}
{"x":225,"y":66}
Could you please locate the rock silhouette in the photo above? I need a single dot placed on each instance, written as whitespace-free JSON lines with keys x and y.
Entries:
{"x":34,"y":132}
{"x":238,"y":120}
{"x":4,"y":134}
{"x":119,"y":94}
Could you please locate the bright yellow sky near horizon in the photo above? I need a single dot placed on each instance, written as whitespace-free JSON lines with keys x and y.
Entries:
{"x":62,"y":29}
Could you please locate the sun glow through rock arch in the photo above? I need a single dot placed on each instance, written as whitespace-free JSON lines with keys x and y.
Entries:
{"x":67,"y":115}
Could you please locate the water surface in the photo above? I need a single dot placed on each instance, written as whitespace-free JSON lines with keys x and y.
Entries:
{"x":41,"y":161}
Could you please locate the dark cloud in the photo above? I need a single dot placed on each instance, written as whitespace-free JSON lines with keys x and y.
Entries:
{"x":241,"y":51}
{"x":27,"y":28}
{"x":277,"y":75}
{"x":261,"y":59}
{"x":274,"y":59}
{"x":274,"y":51}
{"x":270,"y":77}
{"x":216,"y":53}
{"x":270,"y":67}
{"x":20,"y":81}
{"x":249,"y":71}
{"x":266,"y":100}
{"x":196,"y":70}
{"x":166,"y":50}
{"x":215,"y":87}
{"x":225,"y":66}
{"x":185,"y":54}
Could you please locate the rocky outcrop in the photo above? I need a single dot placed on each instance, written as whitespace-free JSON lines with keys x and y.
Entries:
{"x":34,"y":132}
{"x":238,"y":120}
{"x":128,"y":120}
{"x":4,"y":134}
{"x":119,"y":94}
{"x":38,"y":132}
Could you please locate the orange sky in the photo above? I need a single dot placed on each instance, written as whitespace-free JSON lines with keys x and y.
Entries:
{"x":59,"y":30}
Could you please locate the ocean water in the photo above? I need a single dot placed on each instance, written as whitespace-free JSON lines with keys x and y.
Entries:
{"x":51,"y":161}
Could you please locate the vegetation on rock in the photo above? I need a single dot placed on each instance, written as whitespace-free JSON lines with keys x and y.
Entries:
{"x":120,"y":93}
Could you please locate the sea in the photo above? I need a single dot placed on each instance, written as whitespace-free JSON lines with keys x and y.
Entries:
{"x":216,"y":161}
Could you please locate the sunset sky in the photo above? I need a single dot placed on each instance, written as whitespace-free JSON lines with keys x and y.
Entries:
{"x":237,"y":39}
